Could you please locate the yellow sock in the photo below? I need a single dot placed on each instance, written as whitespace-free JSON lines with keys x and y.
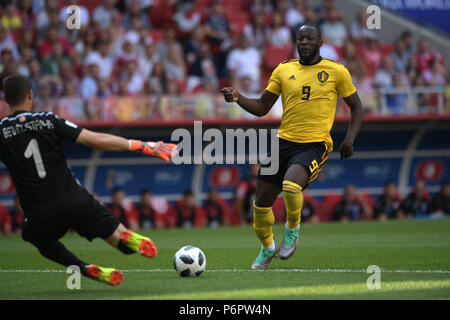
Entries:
{"x":263,"y":220}
{"x":293,"y":201}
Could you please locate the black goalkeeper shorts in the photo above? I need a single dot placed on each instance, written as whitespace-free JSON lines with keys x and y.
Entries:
{"x":80,"y":212}
{"x":311,"y":155}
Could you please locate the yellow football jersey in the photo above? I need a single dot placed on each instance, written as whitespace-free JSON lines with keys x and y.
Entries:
{"x":309,"y":95}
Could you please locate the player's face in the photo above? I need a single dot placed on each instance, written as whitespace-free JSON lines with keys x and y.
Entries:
{"x":308,"y":44}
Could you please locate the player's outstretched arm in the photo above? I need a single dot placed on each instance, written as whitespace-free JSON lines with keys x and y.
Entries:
{"x":259,"y":107}
{"x":355,"y":122}
{"x":109,"y":142}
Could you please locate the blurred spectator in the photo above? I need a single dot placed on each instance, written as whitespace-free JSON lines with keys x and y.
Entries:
{"x":187,"y":212}
{"x":245,"y":195}
{"x":11,"y":18}
{"x":191,"y":47}
{"x":295,"y":14}
{"x":124,"y":209}
{"x":388,"y":204}
{"x":71,"y":106}
{"x":186,"y":17}
{"x":358,"y":29}
{"x":328,"y":51}
{"x":170,"y":41}
{"x":308,"y":212}
{"x":84,"y":13}
{"x":371,"y":57}
{"x":417,"y":204}
{"x":43,"y":16}
{"x":134,"y":10}
{"x":103,"y":14}
{"x":123,"y":107}
{"x":50,"y":64}
{"x":86,"y":44}
{"x":103,"y":58}
{"x":440,"y":205}
{"x":175,"y":66}
{"x":202,"y":70}
{"x":256,"y":31}
{"x":407,"y":39}
{"x":149,"y":218}
{"x":383,"y":77}
{"x":147,"y":61}
{"x":425,"y":55}
{"x":88,"y":85}
{"x":278,"y":34}
{"x":158,"y":79}
{"x":26,"y":14}
{"x":396,"y":102}
{"x":45,"y":47}
{"x":7,"y":42}
{"x":27,"y":42}
{"x":400,"y":56}
{"x":334,"y":29}
{"x":5,"y":220}
{"x":435,"y":74}
{"x":217,"y":27}
{"x":134,"y":78}
{"x":352,"y":206}
{"x":216,"y":210}
{"x":35,"y":74}
{"x":17,"y":216}
{"x":245,"y":61}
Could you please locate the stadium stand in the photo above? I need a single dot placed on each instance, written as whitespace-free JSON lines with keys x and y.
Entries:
{"x":162,"y":79}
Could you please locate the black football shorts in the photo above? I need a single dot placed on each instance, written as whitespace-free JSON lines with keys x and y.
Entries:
{"x":79,"y":211}
{"x":311,"y":155}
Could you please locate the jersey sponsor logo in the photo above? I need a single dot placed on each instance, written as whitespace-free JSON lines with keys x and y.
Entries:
{"x":323,"y":76}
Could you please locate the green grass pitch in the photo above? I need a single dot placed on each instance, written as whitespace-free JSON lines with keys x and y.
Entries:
{"x":330,"y":263}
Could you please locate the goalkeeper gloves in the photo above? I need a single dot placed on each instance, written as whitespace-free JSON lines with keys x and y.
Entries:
{"x":156,"y":149}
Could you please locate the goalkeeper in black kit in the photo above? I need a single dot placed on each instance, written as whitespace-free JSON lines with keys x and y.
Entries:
{"x":52,"y":199}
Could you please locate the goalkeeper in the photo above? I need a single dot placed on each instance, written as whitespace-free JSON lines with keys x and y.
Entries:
{"x":52,"y":199}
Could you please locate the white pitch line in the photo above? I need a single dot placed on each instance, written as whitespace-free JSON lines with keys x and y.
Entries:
{"x":240,"y":270}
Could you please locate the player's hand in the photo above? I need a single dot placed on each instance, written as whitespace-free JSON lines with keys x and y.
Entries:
{"x":230,"y":94}
{"x":158,"y":149}
{"x":346,"y":149}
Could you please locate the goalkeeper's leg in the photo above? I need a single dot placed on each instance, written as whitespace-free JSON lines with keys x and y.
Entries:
{"x":129,"y":242}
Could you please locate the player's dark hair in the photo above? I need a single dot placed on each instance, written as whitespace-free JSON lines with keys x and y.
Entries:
{"x":389,"y":182}
{"x":319,"y":33}
{"x":188,"y":193}
{"x":144,"y":191}
{"x":15,"y":89}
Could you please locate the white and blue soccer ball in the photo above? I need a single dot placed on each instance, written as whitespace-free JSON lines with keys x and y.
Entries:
{"x":189,"y":261}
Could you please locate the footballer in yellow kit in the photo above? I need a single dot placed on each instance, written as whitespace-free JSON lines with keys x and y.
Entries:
{"x":309,"y":89}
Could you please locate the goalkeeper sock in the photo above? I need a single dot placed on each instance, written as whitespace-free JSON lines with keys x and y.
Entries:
{"x":58,"y":253}
{"x":263,"y":221}
{"x":293,"y":201}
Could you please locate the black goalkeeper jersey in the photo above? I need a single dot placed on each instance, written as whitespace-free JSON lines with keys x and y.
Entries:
{"x":30,"y":147}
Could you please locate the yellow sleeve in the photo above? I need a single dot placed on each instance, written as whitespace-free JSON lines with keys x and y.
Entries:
{"x":345,"y":85}
{"x":274,"y":84}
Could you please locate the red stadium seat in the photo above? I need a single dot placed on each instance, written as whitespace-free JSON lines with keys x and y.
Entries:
{"x":238,"y":20}
{"x":328,"y":205}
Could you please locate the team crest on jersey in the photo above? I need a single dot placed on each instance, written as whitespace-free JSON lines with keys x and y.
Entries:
{"x":323,"y":76}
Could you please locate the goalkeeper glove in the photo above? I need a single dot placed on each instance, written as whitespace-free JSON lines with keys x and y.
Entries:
{"x":157,"y":149}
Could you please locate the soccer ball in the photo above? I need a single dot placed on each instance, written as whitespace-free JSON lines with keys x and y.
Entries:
{"x":189,"y":261}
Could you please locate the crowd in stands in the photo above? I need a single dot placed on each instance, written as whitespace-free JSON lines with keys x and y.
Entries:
{"x":154,"y":59}
{"x":154,"y":212}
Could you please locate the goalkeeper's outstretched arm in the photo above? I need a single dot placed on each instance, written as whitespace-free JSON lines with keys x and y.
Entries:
{"x":259,"y":107}
{"x":109,"y":142}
